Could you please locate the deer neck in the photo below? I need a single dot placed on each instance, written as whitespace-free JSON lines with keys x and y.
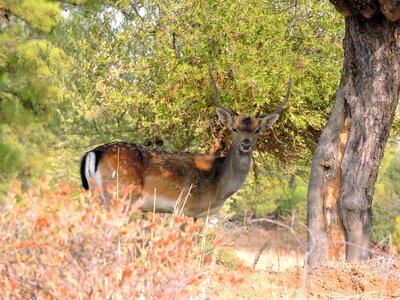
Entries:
{"x":235,"y":169}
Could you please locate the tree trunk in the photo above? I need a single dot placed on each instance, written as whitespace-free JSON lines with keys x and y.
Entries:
{"x":346,"y":161}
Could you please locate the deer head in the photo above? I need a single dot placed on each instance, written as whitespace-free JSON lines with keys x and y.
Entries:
{"x":245,"y":129}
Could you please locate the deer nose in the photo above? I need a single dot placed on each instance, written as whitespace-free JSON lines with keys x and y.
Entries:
{"x":246,"y":144}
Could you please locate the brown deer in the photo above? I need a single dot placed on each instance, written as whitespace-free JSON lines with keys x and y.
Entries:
{"x":165,"y":178}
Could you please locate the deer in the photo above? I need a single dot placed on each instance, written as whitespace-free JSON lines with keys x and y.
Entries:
{"x":162,"y":179}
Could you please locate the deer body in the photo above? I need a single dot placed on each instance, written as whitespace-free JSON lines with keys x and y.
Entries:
{"x":164,"y":177}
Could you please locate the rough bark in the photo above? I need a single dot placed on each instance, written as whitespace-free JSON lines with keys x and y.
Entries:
{"x":351,"y":147}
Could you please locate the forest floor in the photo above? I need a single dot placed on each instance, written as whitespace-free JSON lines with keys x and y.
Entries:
{"x":280,"y":272}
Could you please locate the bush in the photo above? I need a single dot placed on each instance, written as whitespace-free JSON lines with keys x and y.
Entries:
{"x":62,"y":244}
{"x":227,"y":257}
{"x":396,"y":236}
{"x":386,"y":203}
{"x":274,"y":193}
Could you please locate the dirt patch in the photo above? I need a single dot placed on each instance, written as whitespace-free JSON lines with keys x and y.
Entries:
{"x":278,"y":239}
{"x":272,"y":260}
{"x":280,"y":273}
{"x":376,"y":278}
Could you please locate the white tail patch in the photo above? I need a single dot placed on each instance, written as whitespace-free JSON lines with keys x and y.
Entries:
{"x":90,"y":166}
{"x":91,"y":173}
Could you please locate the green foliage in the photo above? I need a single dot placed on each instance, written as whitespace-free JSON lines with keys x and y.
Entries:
{"x":226,"y":256}
{"x":29,"y":66}
{"x":141,"y":70}
{"x":273,"y":193}
{"x":386,"y":204}
{"x":29,"y":74}
{"x":9,"y":160}
{"x":396,"y":236}
{"x":38,"y":14}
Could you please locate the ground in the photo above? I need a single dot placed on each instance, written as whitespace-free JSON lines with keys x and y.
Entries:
{"x":280,"y":272}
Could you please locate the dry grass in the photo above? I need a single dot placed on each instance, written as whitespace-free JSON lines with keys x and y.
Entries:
{"x":60,"y":243}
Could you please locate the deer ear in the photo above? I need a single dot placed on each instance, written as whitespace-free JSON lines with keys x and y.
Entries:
{"x":225,"y":117}
{"x":267,"y":121}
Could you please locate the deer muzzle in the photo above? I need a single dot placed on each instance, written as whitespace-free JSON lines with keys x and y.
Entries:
{"x":246,"y":145}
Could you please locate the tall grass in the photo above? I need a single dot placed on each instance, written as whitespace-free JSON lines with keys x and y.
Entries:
{"x":60,"y":243}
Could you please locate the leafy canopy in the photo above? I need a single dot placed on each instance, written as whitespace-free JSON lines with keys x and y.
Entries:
{"x":140,"y":69}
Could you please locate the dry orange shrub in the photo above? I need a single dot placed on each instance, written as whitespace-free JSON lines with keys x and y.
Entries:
{"x":60,"y":243}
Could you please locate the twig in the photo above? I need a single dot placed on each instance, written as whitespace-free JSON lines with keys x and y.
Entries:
{"x":260,"y":251}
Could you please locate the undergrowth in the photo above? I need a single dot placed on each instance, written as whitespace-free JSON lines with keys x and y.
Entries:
{"x":61,"y":243}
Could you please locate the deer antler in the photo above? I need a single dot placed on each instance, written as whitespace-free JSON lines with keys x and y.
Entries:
{"x":216,"y":92}
{"x":281,"y":107}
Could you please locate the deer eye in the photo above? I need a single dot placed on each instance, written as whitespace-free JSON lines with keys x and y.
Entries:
{"x":258,"y":130}
{"x":234,"y":129}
